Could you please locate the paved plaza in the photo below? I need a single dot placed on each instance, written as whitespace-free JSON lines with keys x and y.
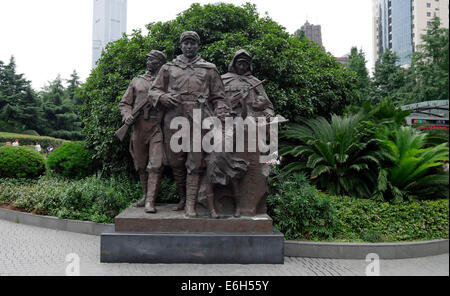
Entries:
{"x":30,"y":250}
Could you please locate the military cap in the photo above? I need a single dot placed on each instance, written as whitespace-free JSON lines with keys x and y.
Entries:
{"x":157,"y":54}
{"x":190,"y":35}
{"x":245,"y":56}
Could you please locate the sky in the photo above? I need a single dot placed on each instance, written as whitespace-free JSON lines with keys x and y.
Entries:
{"x":51,"y":37}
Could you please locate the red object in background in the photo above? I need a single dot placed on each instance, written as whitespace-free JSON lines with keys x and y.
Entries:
{"x":443,"y":127}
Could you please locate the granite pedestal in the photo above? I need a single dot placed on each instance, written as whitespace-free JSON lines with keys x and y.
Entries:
{"x":170,"y":237}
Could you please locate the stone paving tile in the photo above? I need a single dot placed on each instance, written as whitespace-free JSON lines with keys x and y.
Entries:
{"x":29,"y":250}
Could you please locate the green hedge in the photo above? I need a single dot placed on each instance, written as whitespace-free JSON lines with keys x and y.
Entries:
{"x":30,"y":140}
{"x":298,"y":210}
{"x":72,"y":160}
{"x":92,"y":198}
{"x":20,"y":162}
{"x":373,"y":221}
{"x":301,"y":212}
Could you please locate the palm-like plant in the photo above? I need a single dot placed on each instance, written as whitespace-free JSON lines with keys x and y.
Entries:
{"x":417,"y":171}
{"x":340,"y":156}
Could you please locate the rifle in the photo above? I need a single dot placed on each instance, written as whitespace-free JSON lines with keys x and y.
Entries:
{"x":123,"y":130}
{"x":239,"y":95}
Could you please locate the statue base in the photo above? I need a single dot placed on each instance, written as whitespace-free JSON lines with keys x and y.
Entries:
{"x":170,"y":237}
{"x":165,"y":220}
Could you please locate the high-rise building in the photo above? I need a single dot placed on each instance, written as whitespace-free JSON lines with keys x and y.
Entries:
{"x":343,"y":59}
{"x":313,"y":32}
{"x":110,"y":22}
{"x":399,"y":24}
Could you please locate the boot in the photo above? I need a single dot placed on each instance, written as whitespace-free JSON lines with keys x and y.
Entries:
{"x":180,"y":179}
{"x":212,"y":210}
{"x":143,"y":177}
{"x":237,"y":212}
{"x":181,"y":204}
{"x":192,"y":182}
{"x":154,"y":184}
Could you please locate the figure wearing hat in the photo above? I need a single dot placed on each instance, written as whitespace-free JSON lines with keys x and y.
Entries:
{"x":252,"y":102}
{"x":185,"y":84}
{"x":146,"y":146}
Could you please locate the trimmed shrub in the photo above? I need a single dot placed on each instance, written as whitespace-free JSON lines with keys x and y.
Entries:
{"x":30,"y":139}
{"x":369,"y":220}
{"x":304,"y":213}
{"x":20,"y":162}
{"x":71,"y":160}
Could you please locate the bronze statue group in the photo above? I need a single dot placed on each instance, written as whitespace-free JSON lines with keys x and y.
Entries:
{"x":172,"y":89}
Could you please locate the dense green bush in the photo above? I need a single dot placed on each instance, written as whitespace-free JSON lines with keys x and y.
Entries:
{"x":368,"y":220}
{"x":42,"y":196}
{"x":416,"y":171}
{"x":92,"y":198}
{"x":303,"y":79}
{"x":98,"y":199}
{"x":340,"y":155}
{"x":20,"y":162}
{"x":30,"y":139}
{"x":436,"y":137}
{"x":368,"y":153}
{"x":299,"y":211}
{"x":72,"y":160}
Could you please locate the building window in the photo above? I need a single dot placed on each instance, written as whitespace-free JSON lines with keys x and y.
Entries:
{"x":428,"y":24}
{"x":428,"y":5}
{"x":428,"y":13}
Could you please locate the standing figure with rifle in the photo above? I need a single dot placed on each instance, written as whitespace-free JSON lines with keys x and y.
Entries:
{"x":146,"y":139}
{"x":182,"y":86}
{"x":248,"y":99}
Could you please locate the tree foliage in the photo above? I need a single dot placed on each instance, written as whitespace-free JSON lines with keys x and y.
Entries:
{"x":19,"y":108}
{"x":429,"y":72}
{"x":357,"y":63}
{"x":389,"y":78}
{"x":425,"y":79}
{"x":52,"y":111}
{"x":59,"y":111}
{"x":303,"y":80}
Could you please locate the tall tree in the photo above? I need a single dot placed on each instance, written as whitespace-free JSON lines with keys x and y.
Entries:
{"x":73,"y":84}
{"x":389,"y":78}
{"x":429,"y":73}
{"x":357,"y":63}
{"x":60,"y":113}
{"x":300,"y":34}
{"x":18,"y":104}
